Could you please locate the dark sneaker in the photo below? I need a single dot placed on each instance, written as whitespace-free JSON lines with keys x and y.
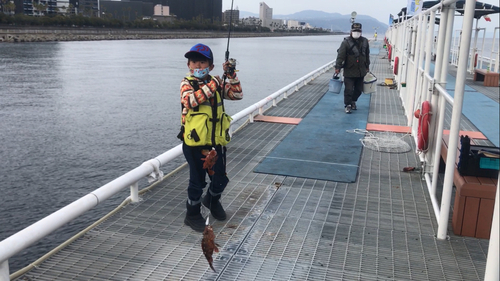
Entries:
{"x":353,"y":106}
{"x":348,"y":109}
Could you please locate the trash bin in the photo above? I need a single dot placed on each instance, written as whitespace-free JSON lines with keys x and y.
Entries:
{"x":369,"y":85}
{"x":335,"y":84}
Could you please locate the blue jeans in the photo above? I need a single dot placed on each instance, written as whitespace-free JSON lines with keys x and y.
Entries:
{"x":197,"y":175}
{"x":353,"y":89}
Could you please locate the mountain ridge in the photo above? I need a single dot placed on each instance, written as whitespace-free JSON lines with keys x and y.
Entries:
{"x":333,"y":21}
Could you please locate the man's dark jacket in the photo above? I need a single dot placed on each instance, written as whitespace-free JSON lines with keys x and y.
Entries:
{"x":356,"y":55}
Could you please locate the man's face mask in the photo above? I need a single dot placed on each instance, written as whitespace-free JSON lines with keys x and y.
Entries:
{"x":356,"y":34}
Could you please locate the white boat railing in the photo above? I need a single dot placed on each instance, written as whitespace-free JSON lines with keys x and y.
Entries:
{"x":479,"y":56}
{"x":149,"y":169}
{"x":412,"y":49}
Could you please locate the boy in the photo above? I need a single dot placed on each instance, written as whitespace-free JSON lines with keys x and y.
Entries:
{"x":205,"y":126}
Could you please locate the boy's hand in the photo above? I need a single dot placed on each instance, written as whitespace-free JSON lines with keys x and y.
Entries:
{"x":229,"y":68}
{"x":226,"y":65}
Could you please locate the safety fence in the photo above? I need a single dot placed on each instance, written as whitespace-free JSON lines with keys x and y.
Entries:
{"x":412,"y":44}
{"x":484,"y":51}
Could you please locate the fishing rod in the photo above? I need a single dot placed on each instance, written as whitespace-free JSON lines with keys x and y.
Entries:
{"x":231,"y":70}
{"x":232,"y":62}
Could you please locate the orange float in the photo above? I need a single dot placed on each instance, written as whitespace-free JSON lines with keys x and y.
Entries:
{"x":423,"y":125}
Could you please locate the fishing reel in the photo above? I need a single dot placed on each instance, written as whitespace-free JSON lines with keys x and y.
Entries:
{"x":231,"y":67}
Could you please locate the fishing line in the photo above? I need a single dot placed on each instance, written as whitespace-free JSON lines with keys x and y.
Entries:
{"x":231,"y":69}
{"x":229,"y":33}
{"x":232,"y":62}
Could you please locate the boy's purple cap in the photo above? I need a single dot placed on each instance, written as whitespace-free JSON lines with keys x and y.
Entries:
{"x":201,"y":49}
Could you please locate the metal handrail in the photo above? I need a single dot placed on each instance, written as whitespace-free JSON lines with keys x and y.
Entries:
{"x":413,"y":36}
{"x":38,"y":230}
{"x":404,"y":42}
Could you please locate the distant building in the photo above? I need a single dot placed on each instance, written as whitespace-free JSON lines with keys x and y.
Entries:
{"x":295,"y":25}
{"x":298,"y":25}
{"x":160,"y":10}
{"x":20,"y":9}
{"x":125,"y":10}
{"x":88,"y":7}
{"x":265,"y":15}
{"x":251,"y":21}
{"x":63,"y":7}
{"x":162,"y":14}
{"x":229,"y":15}
{"x":42,"y":8}
{"x":266,"y":20}
{"x":192,"y":9}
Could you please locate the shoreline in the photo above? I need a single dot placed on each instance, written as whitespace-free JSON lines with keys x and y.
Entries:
{"x":11,"y":34}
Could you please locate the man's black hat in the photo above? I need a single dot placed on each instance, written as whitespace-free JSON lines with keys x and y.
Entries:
{"x":356,"y":26}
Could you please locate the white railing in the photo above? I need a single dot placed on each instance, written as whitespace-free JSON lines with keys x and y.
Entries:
{"x":413,"y":41}
{"x":478,"y":56}
{"x":150,"y":169}
{"x":494,"y":62}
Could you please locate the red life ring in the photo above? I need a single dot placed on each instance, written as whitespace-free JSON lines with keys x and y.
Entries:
{"x":423,"y":125}
{"x":389,"y":50}
{"x":396,"y":62}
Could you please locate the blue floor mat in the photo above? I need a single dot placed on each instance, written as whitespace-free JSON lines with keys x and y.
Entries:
{"x":482,"y":111}
{"x":320,"y":147}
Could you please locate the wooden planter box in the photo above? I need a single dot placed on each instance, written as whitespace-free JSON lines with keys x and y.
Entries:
{"x":474,"y":201}
{"x":490,"y":78}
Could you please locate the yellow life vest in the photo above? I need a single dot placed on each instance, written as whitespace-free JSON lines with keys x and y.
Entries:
{"x":200,"y":128}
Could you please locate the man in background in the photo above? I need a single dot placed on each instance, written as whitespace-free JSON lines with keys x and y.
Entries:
{"x":354,"y":57}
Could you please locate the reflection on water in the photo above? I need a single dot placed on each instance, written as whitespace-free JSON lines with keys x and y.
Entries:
{"x":76,"y":115}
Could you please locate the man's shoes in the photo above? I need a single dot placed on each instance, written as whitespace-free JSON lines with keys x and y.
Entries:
{"x":353,"y":106}
{"x":348,"y":109}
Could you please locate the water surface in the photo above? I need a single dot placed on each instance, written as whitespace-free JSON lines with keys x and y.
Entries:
{"x":76,"y":115}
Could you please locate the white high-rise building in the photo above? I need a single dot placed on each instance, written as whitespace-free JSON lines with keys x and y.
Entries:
{"x":160,"y":10}
{"x":265,"y":15}
{"x":63,"y":6}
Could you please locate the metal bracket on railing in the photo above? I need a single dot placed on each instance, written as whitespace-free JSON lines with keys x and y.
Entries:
{"x":157,"y":174}
{"x":434,"y":91}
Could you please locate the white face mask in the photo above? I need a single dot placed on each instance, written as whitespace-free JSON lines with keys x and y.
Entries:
{"x":356,"y":34}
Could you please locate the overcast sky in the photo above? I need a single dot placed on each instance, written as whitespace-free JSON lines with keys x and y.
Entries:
{"x":378,"y":9}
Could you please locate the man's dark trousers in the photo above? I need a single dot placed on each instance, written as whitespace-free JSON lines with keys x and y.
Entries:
{"x":353,"y":89}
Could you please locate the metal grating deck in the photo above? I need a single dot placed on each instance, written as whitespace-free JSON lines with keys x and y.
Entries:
{"x":283,"y":228}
